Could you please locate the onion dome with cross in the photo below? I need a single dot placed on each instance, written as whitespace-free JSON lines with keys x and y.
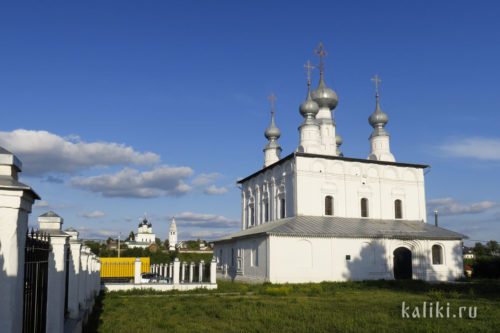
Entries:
{"x":324,"y":96}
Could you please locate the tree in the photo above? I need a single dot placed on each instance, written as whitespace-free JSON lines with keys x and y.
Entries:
{"x":492,"y":247}
{"x":158,"y":241}
{"x":95,"y":247}
{"x":131,"y":237}
{"x":480,"y":250}
{"x":167,"y":243}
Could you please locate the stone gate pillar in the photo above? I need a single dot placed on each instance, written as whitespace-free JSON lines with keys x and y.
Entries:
{"x":51,"y":223}
{"x":177,"y":265}
{"x":75,"y":245}
{"x":16,"y":200}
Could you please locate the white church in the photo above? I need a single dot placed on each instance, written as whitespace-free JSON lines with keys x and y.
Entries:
{"x":316,"y":215}
{"x":144,"y":237}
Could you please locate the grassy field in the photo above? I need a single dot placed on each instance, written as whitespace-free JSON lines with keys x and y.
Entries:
{"x":369,"y":306}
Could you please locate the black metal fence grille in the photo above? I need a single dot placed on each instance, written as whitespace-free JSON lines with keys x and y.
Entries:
{"x":35,"y":282}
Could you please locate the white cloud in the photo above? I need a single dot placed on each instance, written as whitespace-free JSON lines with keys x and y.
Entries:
{"x":191,"y":219}
{"x":90,"y":233}
{"x":93,"y":215}
{"x":45,"y":205}
{"x":476,"y":147}
{"x":449,"y":206}
{"x":161,"y":181}
{"x":205,"y":178}
{"x":212,"y":189}
{"x":42,"y":152}
{"x":202,"y":234}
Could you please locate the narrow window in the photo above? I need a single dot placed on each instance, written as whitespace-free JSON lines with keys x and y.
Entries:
{"x":266,"y":211}
{"x":252,"y":215}
{"x":364,"y":207}
{"x":232,"y":257}
{"x":220,"y":256}
{"x":282,"y":206}
{"x":328,"y":205}
{"x":398,"y":212}
{"x":437,"y":255}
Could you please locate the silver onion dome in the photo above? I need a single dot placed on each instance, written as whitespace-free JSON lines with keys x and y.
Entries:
{"x":324,"y":96}
{"x":378,"y":118}
{"x":272,"y":132}
{"x":338,"y":140}
{"x":309,"y":108}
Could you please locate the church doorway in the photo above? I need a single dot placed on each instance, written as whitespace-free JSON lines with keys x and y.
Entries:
{"x":402,"y":263}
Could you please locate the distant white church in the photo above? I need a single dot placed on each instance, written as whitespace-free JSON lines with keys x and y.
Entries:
{"x":144,"y":237}
{"x":316,"y":215}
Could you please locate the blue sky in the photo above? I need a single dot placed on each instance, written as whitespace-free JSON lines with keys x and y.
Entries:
{"x":121,"y":107}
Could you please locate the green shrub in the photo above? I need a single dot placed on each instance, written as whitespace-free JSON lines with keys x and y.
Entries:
{"x":278,"y":291}
{"x":435,"y":295}
{"x":486,"y":267}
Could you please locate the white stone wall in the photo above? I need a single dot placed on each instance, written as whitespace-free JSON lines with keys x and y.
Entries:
{"x":304,"y":182}
{"x":349,"y":181}
{"x":250,"y":260}
{"x":316,"y":259}
{"x":268,"y":188}
{"x":295,"y":259}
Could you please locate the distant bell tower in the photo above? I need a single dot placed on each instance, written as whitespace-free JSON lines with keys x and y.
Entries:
{"x":172,"y":236}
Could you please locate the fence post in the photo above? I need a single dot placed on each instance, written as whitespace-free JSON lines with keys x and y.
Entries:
{"x":171,"y":270}
{"x":177,"y":266}
{"x":191,"y":272}
{"x":56,"y":289}
{"x":213,"y":271}
{"x":200,"y":271}
{"x":16,"y":200}
{"x":74,"y":273}
{"x":137,"y":272}
{"x":82,"y":296}
{"x":183,"y":274}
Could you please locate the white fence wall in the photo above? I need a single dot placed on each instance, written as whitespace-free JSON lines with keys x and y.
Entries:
{"x":16,"y":200}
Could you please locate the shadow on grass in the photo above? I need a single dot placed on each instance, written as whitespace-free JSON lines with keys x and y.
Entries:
{"x":94,"y":319}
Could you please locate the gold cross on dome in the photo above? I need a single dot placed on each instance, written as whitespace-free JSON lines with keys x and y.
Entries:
{"x":272,"y":98}
{"x":376,"y":79}
{"x":308,"y":68}
{"x":321,"y":53}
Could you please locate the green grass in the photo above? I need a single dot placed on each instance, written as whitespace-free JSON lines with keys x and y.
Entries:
{"x":370,"y":306}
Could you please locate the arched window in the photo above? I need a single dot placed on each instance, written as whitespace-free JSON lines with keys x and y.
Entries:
{"x":364,"y":207}
{"x":398,"y":210}
{"x":437,"y":255}
{"x":328,"y":205}
{"x":282,"y":208}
